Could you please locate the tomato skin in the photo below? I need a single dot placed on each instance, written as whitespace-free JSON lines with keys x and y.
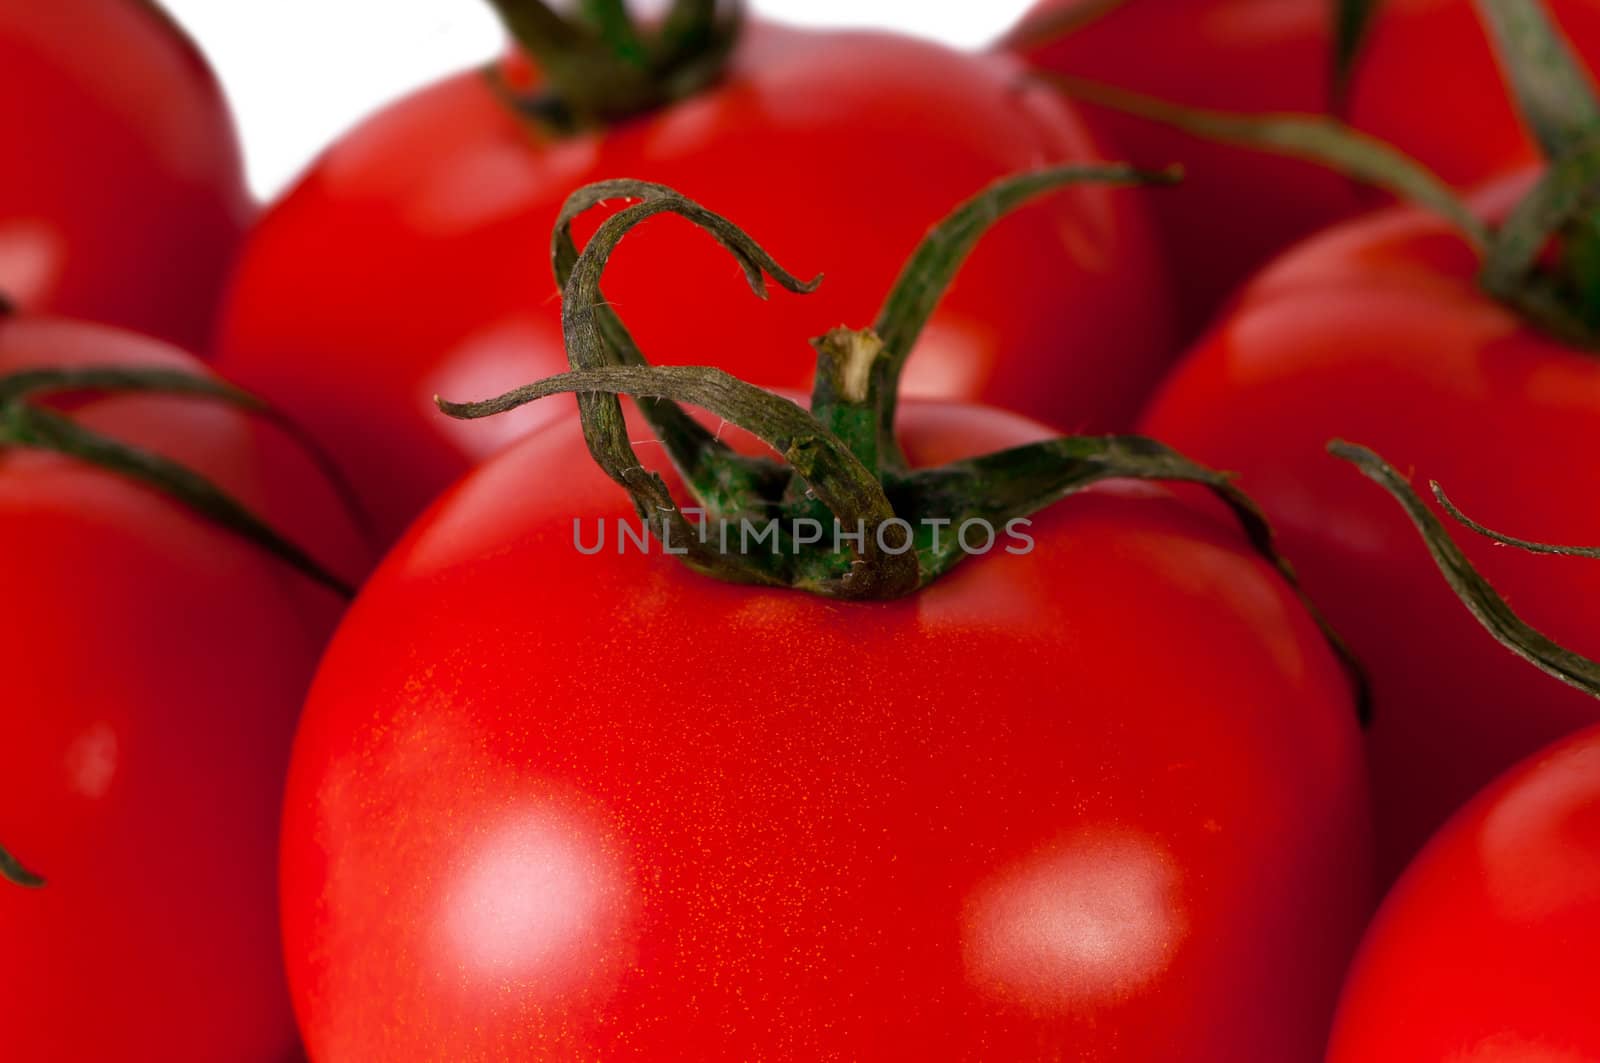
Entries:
{"x":1376,"y":332}
{"x":1426,"y":62}
{"x":131,"y":202}
{"x":682,"y":818}
{"x":837,"y":151}
{"x":154,"y":668}
{"x":1480,"y":951}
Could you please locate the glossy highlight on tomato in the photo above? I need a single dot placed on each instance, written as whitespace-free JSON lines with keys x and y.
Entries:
{"x":123,"y":198}
{"x":683,"y":818}
{"x":1480,"y":952}
{"x":412,"y":259}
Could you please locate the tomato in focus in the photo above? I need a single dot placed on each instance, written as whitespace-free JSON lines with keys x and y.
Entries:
{"x":1100,"y":800}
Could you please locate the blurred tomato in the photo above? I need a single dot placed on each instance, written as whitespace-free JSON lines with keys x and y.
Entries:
{"x":1481,"y":951}
{"x":154,"y":667}
{"x":1376,"y":331}
{"x":412,"y":260}
{"x":123,"y":197}
{"x":1427,"y":81}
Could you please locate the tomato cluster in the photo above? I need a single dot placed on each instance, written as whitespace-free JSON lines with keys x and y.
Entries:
{"x":352,"y":714}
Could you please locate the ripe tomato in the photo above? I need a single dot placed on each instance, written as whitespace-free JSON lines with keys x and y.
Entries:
{"x":1377,"y":332}
{"x":681,"y":818}
{"x":154,"y":667}
{"x":1425,"y":63}
{"x":124,"y":201}
{"x":412,"y":260}
{"x":1480,"y":951}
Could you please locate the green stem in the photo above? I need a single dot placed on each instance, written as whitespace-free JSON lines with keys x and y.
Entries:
{"x":850,"y":399}
{"x":601,"y":66}
{"x":1475,"y":592}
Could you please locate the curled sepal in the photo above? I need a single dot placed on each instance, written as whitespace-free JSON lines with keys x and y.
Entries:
{"x":1000,"y":487}
{"x":653,"y":199}
{"x":12,"y":871}
{"x":1475,"y":592}
{"x":834,"y":475}
{"x":1554,"y":95}
{"x":1312,"y":138}
{"x":728,"y":484}
{"x":932,"y":267}
{"x":23,"y":424}
{"x":1508,"y":540}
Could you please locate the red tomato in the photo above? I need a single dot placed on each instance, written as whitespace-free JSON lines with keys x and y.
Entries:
{"x":412,"y":260}
{"x":1481,"y":951}
{"x":683,"y":819}
{"x":124,"y":199}
{"x":1376,"y":332}
{"x":154,"y":665}
{"x":1426,"y":63}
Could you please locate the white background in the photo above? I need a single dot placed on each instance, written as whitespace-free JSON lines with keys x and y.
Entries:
{"x":298,"y":72}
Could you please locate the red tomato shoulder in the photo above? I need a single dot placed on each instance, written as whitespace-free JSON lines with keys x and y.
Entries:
{"x":602,"y":804}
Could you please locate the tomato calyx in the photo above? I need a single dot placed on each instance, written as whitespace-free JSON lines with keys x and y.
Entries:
{"x":601,"y":65}
{"x":875,"y":529}
{"x":1543,"y":259}
{"x":1476,"y":593}
{"x":12,"y":871}
{"x":24,"y":424}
